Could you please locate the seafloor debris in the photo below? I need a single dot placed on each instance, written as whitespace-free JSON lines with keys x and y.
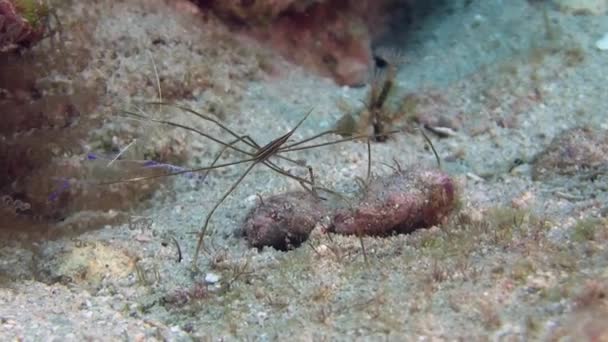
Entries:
{"x":574,"y":151}
{"x":399,"y":203}
{"x":283,"y":221}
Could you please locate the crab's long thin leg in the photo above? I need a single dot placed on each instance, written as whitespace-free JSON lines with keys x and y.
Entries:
{"x":301,"y":180}
{"x":258,"y":147}
{"x":269,"y":164}
{"x":428,"y":140}
{"x":188,"y":128}
{"x":296,"y":146}
{"x":313,"y":188}
{"x":369,"y":160}
{"x":272,"y":147}
{"x":316,"y":136}
{"x":274,"y":167}
{"x":245,"y":139}
{"x":201,"y":236}
{"x":277,"y":142}
{"x":248,"y":141}
{"x":204,"y":117}
{"x":199,"y":169}
{"x":225,"y":144}
{"x":261,"y":156}
{"x":224,"y":148}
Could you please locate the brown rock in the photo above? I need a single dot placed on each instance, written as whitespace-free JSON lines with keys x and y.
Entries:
{"x":571,"y":152}
{"x":331,"y":37}
{"x":399,"y":203}
{"x":283,"y":221}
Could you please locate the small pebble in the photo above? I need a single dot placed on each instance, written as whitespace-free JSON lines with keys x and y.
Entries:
{"x":212,"y":278}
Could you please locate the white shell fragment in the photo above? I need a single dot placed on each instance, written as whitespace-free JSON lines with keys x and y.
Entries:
{"x":602,"y":43}
{"x":211,"y":278}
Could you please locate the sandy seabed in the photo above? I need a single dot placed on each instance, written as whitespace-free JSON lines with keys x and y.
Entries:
{"x":524,"y":258}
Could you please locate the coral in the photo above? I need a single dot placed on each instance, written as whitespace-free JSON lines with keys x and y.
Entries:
{"x":399,"y":203}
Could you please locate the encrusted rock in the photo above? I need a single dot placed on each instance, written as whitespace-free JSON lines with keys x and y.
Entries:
{"x":283,"y":221}
{"x":399,"y":203}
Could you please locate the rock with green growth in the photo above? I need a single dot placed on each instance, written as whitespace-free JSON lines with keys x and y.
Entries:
{"x":22,"y":23}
